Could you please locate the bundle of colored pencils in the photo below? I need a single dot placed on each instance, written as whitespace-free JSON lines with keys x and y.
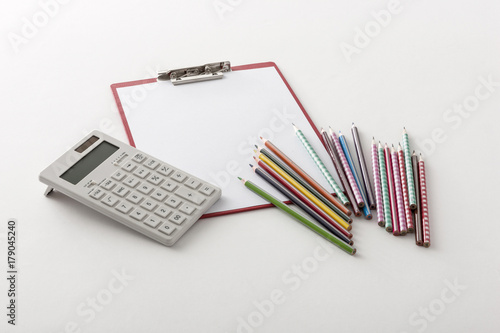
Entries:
{"x":395,"y":193}
{"x":401,"y":191}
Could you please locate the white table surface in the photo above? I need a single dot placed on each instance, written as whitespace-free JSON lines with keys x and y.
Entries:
{"x":430,"y":66}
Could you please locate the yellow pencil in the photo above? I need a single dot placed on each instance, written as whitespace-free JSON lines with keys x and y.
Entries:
{"x":304,"y":191}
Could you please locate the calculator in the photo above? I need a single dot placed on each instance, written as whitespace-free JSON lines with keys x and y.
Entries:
{"x":130,"y":186}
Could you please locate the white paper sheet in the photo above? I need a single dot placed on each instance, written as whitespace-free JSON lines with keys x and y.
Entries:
{"x":210,"y":128}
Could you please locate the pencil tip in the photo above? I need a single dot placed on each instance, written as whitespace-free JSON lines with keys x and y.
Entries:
{"x":353,"y":124}
{"x":251,"y":166}
{"x":239,"y":178}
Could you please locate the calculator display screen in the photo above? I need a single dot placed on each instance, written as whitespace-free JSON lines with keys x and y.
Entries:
{"x":89,"y":162}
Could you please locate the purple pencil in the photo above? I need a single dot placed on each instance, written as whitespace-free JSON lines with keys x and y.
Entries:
{"x":399,"y":193}
{"x":377,"y":186}
{"x":350,"y":177}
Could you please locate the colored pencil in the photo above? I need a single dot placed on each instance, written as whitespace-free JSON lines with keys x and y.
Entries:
{"x":404,"y":187}
{"x":321,"y":166}
{"x":352,"y":182}
{"x":409,"y":171}
{"x":419,"y":240}
{"x":299,"y":203}
{"x":350,"y":161}
{"x":370,"y":198}
{"x":304,"y":175}
{"x":311,"y":225}
{"x":330,"y":148}
{"x":423,"y":203}
{"x":304,"y":191}
{"x":304,"y":199}
{"x":385,"y":188}
{"x":399,"y":192}
{"x":377,"y":185}
{"x":302,"y":182}
{"x":392,"y":193}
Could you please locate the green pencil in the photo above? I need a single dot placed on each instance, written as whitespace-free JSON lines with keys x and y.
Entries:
{"x":311,"y":225}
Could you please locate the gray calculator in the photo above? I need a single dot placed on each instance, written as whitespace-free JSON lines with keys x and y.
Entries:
{"x":136,"y":189}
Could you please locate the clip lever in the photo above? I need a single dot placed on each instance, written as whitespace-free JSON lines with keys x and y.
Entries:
{"x":205,"y":72}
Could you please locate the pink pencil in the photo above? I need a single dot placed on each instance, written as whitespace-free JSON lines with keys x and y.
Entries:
{"x":423,"y":203}
{"x":392,"y":193}
{"x":350,"y":177}
{"x":377,"y":186}
{"x":399,"y":193}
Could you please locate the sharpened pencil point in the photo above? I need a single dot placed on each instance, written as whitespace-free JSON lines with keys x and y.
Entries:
{"x":239,"y":178}
{"x":251,"y":166}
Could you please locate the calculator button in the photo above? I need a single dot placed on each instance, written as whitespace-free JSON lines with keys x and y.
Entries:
{"x":108,"y":184}
{"x":152,"y":164}
{"x":131,"y":182}
{"x":190,"y":195}
{"x":138,"y":214}
{"x":159,"y":195}
{"x":148,"y":204}
{"x":165,"y":170}
{"x":177,"y":218}
{"x":173,"y":202}
{"x":167,"y":229}
{"x":141,"y":172}
{"x":169,"y":186}
{"x":193,"y":183}
{"x":155,"y":179}
{"x":152,"y":221}
{"x":124,"y":207}
{"x":139,"y":157}
{"x":97,"y":194}
{"x":129,"y":166}
{"x":206,"y":189}
{"x":135,"y":197}
{"x":118,"y":175}
{"x":110,"y":200}
{"x":121,"y":191}
{"x":179,"y":176}
{"x":163,"y":211}
{"x":188,"y":209}
{"x":145,"y":188}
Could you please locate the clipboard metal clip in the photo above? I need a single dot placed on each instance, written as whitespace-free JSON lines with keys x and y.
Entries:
{"x":205,"y":72}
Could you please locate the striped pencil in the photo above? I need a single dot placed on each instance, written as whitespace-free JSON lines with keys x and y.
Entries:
{"x":399,"y":193}
{"x":299,"y":203}
{"x":305,"y":176}
{"x":302,"y":182}
{"x":362,"y":166}
{"x":392,"y":193}
{"x":321,"y":166}
{"x":423,"y":203}
{"x":330,"y":148}
{"x":385,"y":188}
{"x":376,"y":184}
{"x":311,"y":225}
{"x":350,"y":161}
{"x":404,"y":187}
{"x":409,"y":171}
{"x":347,"y":170}
{"x":304,"y":191}
{"x":419,"y":240}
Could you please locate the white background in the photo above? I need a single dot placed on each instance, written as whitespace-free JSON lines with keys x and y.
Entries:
{"x":221,"y":276}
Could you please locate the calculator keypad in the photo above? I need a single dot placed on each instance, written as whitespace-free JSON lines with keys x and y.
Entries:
{"x":154,"y":195}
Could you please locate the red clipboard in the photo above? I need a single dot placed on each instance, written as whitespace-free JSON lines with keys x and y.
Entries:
{"x":123,"y":114}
